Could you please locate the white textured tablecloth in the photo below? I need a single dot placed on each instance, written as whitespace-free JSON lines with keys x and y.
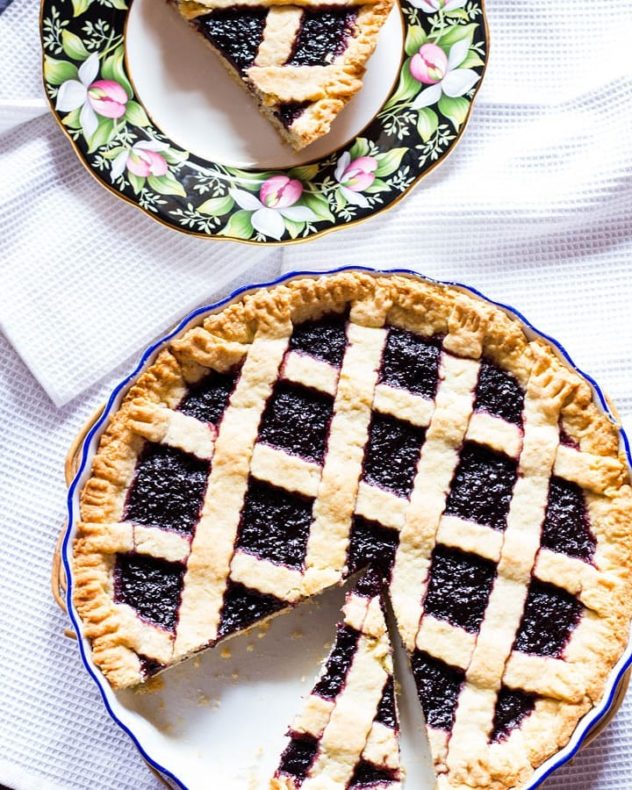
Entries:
{"x":534,"y":208}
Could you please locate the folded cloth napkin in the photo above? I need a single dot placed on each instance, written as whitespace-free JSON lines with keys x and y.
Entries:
{"x":86,"y":279}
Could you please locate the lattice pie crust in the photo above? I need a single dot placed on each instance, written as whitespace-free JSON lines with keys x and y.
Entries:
{"x":499,"y":692}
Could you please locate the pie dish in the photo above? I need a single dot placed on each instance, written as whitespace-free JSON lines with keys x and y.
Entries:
{"x":380,"y":424}
{"x":303,"y":62}
{"x":154,"y":117}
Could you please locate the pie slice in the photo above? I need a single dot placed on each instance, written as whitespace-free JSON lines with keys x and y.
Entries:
{"x":371,"y":423}
{"x":302,"y":61}
{"x":347,"y":734}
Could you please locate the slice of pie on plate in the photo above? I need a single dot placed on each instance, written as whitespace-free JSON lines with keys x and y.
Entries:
{"x":302,"y":61}
{"x":377,"y":424}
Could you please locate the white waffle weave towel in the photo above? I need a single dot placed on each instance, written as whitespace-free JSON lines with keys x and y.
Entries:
{"x":534,"y":208}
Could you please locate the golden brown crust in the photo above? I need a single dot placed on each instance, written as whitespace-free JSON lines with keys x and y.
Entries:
{"x":192,"y":8}
{"x":102,"y":496}
{"x":473,"y":329}
{"x":283,"y":24}
{"x":286,"y":84}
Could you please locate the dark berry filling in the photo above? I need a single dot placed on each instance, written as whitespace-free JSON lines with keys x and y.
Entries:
{"x":392,"y":454}
{"x":549,"y":617}
{"x":150,"y":586}
{"x":236,"y":33}
{"x":297,"y":420}
{"x":411,"y":362}
{"x":566,"y":526}
{"x":368,"y":775}
{"x":567,"y":440}
{"x":373,"y":544}
{"x":482,"y":487}
{"x":207,"y":399}
{"x":512,"y":707}
{"x":168,"y":489}
{"x":386,"y":713}
{"x":325,"y":339}
{"x":298,"y":757}
{"x":499,"y":393}
{"x":459,"y":587}
{"x":290,"y":112}
{"x":149,"y":666}
{"x":243,"y":607}
{"x":372,"y":582}
{"x":322,"y":37}
{"x":438,"y":688}
{"x":339,"y":661}
{"x":275,"y":524}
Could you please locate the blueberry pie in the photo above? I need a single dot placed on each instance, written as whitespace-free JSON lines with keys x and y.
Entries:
{"x":406,"y":433}
{"x":302,"y":61}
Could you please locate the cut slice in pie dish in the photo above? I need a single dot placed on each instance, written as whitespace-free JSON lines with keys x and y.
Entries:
{"x":302,"y":61}
{"x":382,"y":425}
{"x":347,"y":733}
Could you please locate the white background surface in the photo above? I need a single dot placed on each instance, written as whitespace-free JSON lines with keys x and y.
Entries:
{"x":534,"y":207}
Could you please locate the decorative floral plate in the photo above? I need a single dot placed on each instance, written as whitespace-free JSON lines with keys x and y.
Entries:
{"x":156,"y":148}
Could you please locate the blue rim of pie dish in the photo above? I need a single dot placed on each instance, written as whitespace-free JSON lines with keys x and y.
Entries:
{"x":586,"y":725}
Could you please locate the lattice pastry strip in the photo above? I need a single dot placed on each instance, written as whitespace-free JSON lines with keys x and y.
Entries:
{"x":285,"y":471}
{"x":203,"y":6}
{"x":310,"y":372}
{"x":347,"y":732}
{"x":476,"y":707}
{"x":215,"y":535}
{"x":439,"y":458}
{"x":166,"y":426}
{"x":335,"y":504}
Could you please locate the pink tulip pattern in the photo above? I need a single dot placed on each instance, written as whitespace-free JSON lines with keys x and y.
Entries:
{"x":429,"y":65}
{"x":442,"y":6}
{"x":276,"y":203}
{"x":91,"y":97}
{"x":143,"y":159}
{"x":280,"y":192}
{"x":355,"y":176}
{"x":108,"y":98}
{"x":443,"y":74}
